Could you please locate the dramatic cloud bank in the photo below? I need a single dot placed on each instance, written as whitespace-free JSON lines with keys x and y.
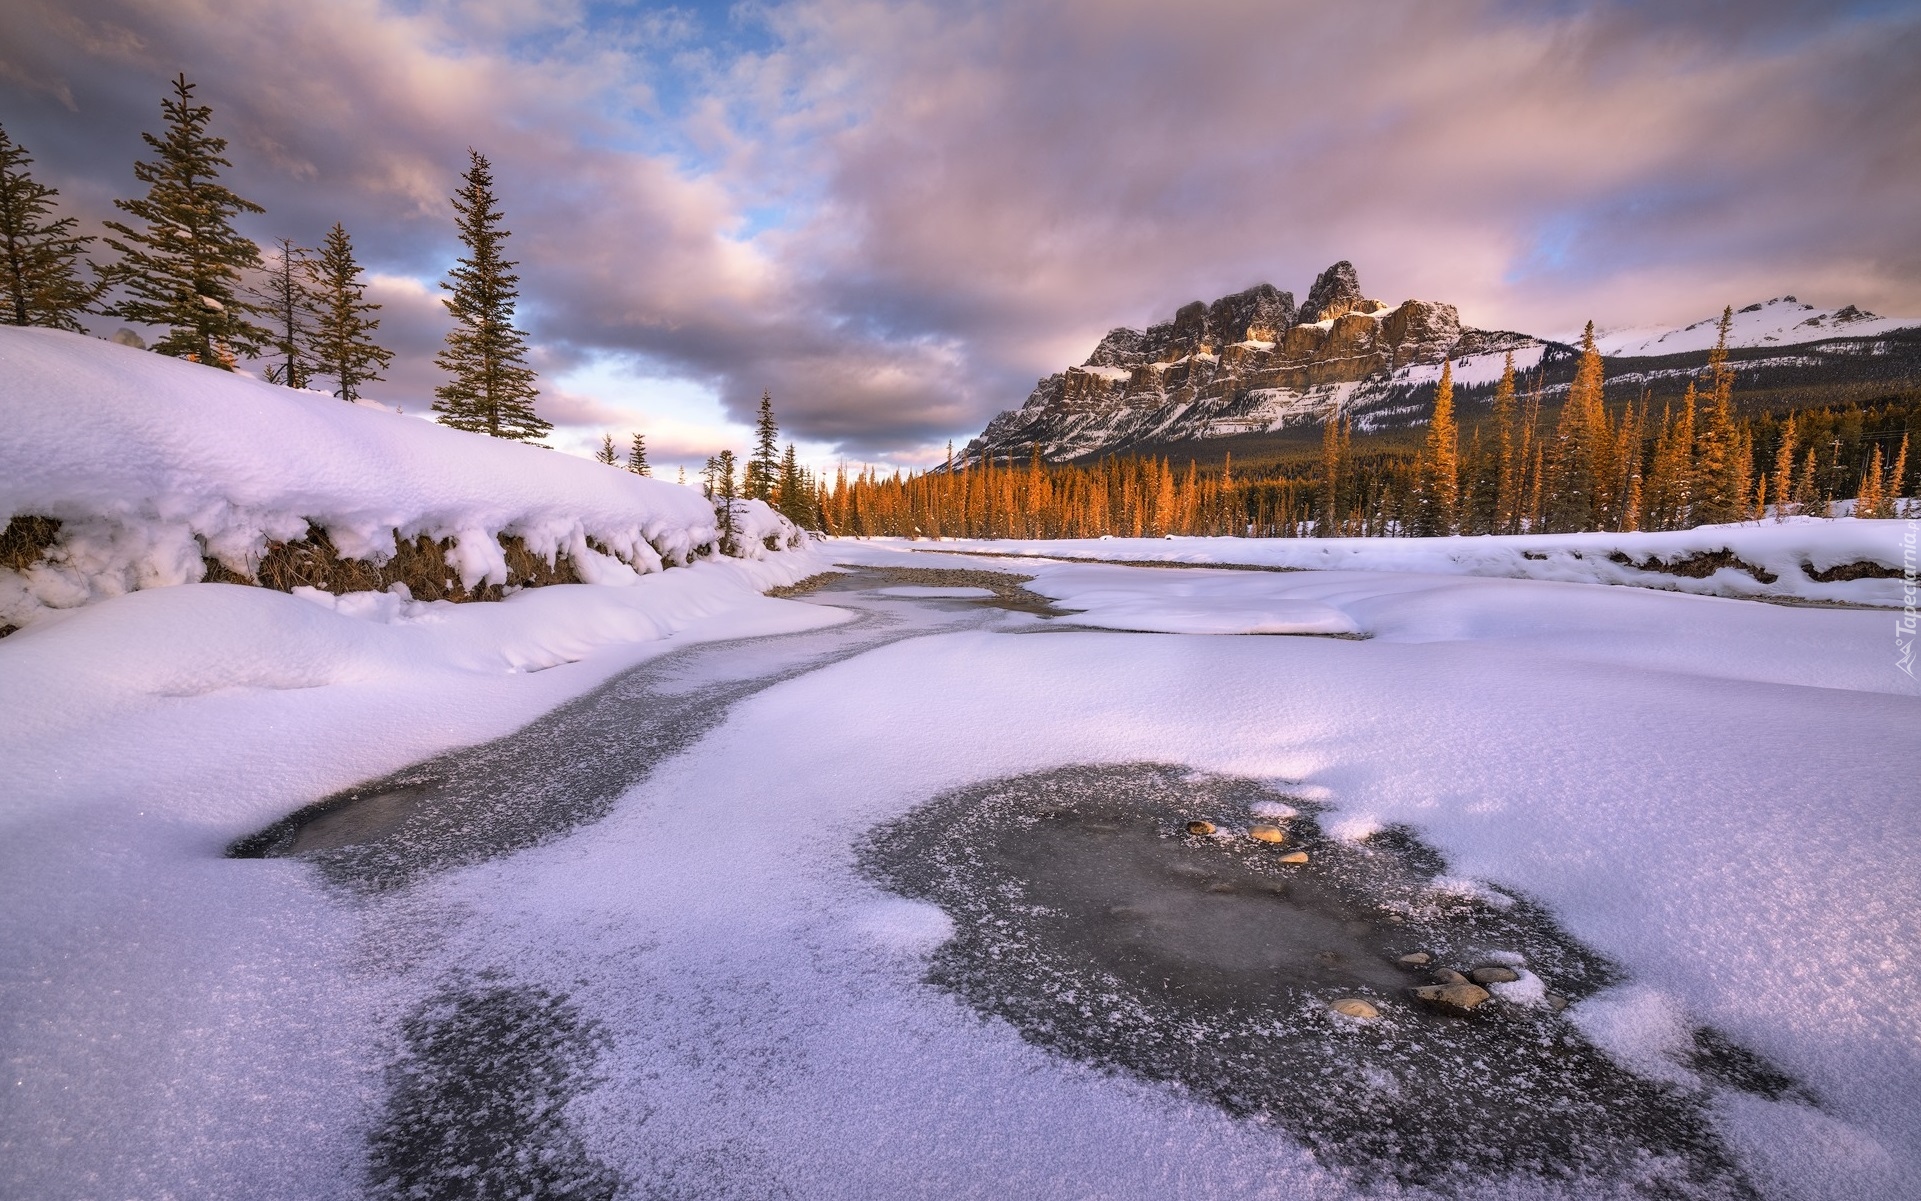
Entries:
{"x":896,"y":215}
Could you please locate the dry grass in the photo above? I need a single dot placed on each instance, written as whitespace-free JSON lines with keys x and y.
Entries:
{"x":1698,"y":566}
{"x":26,"y":541}
{"x":420,"y":563}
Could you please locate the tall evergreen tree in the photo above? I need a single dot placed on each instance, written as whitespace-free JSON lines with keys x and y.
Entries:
{"x":491,"y":389}
{"x":1897,"y":476}
{"x":1577,"y":452}
{"x":1808,"y":501}
{"x":793,"y":495}
{"x":1783,"y":486}
{"x":1670,"y":487}
{"x":1721,"y":458}
{"x":637,"y":455}
{"x":182,"y":268}
{"x":1334,"y":464}
{"x":763,"y":468}
{"x":344,"y":332}
{"x":41,"y":257}
{"x":726,"y":492}
{"x":1506,"y":466}
{"x":287,"y":301}
{"x":607,"y":454}
{"x":1439,"y":471}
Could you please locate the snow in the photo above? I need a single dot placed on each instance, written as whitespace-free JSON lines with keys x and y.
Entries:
{"x":154,"y":463}
{"x":1474,"y":371}
{"x":1708,"y":791}
{"x":914,"y":592}
{"x":1777,"y":548}
{"x":1209,"y":603}
{"x":1715,"y":794}
{"x":1782,"y":321}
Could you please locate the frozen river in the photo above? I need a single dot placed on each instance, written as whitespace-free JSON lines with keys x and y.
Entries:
{"x":898,"y":897}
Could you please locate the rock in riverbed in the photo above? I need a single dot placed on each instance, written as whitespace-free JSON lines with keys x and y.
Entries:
{"x":1200,"y":828}
{"x":1267,"y":834}
{"x":1356,"y":1008}
{"x":1494,"y":975}
{"x":1453,"y":998}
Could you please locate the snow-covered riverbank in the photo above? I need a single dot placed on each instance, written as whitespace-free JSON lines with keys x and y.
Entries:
{"x":1710,"y":792}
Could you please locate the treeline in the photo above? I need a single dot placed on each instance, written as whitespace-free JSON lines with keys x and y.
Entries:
{"x":180,"y":264}
{"x":1589,"y":468}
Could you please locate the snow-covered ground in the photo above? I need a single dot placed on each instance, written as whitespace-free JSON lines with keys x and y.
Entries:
{"x":1713,"y":793}
{"x":1784,"y":550}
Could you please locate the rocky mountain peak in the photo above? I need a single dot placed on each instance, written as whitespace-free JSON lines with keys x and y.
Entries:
{"x":1245,"y":362}
{"x":1336,"y":293}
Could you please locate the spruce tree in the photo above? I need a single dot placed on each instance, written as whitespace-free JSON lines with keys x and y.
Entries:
{"x":1721,"y":456}
{"x":287,"y":301}
{"x":1506,"y":475}
{"x":637,"y":456}
{"x":1871,"y":501}
{"x":726,"y":492}
{"x":1897,"y":476}
{"x":792,"y":493}
{"x":1439,"y":470}
{"x":182,"y":268}
{"x":492,"y":388}
{"x":1808,"y":501}
{"x":1783,"y":487}
{"x":42,"y":256}
{"x":607,"y":454}
{"x":344,"y":332}
{"x":1577,"y":451}
{"x":763,"y":468}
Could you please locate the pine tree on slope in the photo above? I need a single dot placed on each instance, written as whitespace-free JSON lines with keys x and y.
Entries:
{"x":183,"y":268}
{"x":492,"y":388}
{"x":764,"y":467}
{"x":287,"y":301}
{"x":607,"y":454}
{"x":343,"y":335}
{"x":637,"y":456}
{"x":41,"y":257}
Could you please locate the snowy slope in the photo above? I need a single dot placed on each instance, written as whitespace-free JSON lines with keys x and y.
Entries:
{"x":1783,"y":321}
{"x":152,"y":464}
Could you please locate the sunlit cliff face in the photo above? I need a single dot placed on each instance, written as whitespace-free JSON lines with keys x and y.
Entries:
{"x":896,"y":216}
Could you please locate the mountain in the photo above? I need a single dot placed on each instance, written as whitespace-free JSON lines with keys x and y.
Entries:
{"x":1243,"y":369}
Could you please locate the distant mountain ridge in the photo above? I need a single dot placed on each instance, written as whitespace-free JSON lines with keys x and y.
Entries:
{"x":1252,"y":363}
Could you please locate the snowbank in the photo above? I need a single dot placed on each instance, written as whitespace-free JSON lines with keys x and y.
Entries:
{"x":1840,"y":561}
{"x":155,"y":466}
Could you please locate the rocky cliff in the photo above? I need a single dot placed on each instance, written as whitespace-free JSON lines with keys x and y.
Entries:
{"x":1247,"y":363}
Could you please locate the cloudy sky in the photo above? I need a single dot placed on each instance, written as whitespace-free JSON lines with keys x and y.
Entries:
{"x":894,"y":216}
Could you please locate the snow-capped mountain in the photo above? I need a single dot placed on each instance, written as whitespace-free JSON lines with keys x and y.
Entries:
{"x":1252,"y":363}
{"x":1783,"y":321}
